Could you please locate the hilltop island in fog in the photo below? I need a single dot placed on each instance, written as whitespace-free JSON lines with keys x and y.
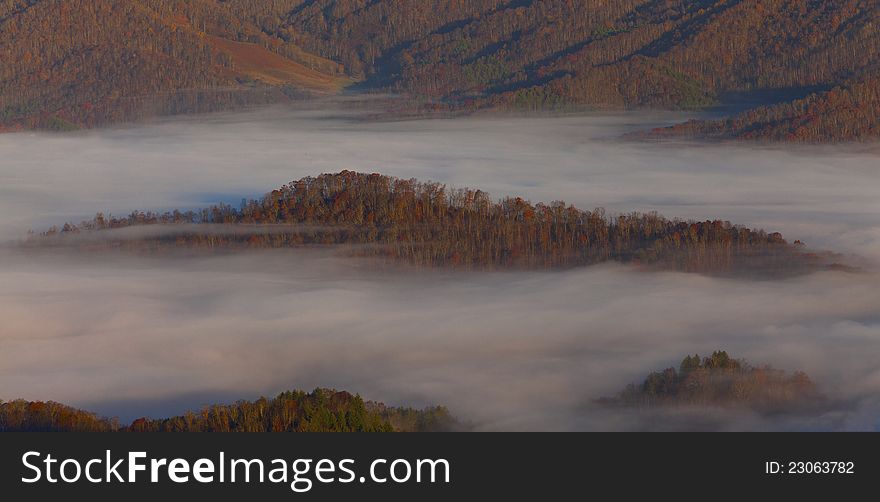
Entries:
{"x":717,"y":159}
{"x":427,"y":224}
{"x":100,"y":307}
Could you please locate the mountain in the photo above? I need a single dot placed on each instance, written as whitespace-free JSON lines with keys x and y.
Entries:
{"x":812,"y":65}
{"x":848,"y":112}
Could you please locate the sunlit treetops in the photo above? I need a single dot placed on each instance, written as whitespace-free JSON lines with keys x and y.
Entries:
{"x":429,"y":224}
{"x":322,"y":410}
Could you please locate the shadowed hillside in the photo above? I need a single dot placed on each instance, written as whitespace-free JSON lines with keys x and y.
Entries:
{"x":82,"y":63}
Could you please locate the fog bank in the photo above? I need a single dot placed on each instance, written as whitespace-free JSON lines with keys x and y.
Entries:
{"x":133,"y":336}
{"x":828,"y":197}
{"x":515,"y":351}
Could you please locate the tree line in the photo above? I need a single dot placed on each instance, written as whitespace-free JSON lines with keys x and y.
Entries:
{"x":322,"y":410}
{"x":428,"y":224}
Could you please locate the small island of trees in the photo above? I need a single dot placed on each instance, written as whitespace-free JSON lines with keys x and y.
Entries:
{"x":427,"y":224}
{"x":720,"y":380}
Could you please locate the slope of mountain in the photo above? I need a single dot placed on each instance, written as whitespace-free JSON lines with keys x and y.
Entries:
{"x":426,"y":224}
{"x":720,"y":380}
{"x":631,"y":53}
{"x":849,"y":112}
{"x":72,"y":56}
{"x":75,"y":63}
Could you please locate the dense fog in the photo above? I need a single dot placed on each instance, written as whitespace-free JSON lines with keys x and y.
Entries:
{"x":133,"y":335}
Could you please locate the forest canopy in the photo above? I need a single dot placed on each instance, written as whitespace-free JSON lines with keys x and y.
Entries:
{"x":430,"y":225}
{"x":720,"y":380}
{"x":322,"y":410}
{"x":83,"y":63}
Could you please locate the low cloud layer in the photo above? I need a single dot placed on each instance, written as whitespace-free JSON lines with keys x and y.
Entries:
{"x":504,"y":350}
{"x":130,"y":336}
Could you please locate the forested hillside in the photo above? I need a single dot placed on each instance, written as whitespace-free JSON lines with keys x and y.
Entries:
{"x":83,"y":62}
{"x":426,"y":224}
{"x":846,"y":112}
{"x":322,"y":410}
{"x":66,"y":64}
{"x":720,"y":380}
{"x":629,"y":53}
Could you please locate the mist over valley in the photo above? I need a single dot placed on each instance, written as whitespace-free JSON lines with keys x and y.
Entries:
{"x":132,"y":335}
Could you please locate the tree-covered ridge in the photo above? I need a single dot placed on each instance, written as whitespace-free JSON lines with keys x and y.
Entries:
{"x":84,"y":62}
{"x":720,"y":380}
{"x":39,"y":416}
{"x":427,"y":224}
{"x":66,"y":64}
{"x":632,"y":53}
{"x":849,"y":112}
{"x":482,"y":47}
{"x":322,"y":410}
